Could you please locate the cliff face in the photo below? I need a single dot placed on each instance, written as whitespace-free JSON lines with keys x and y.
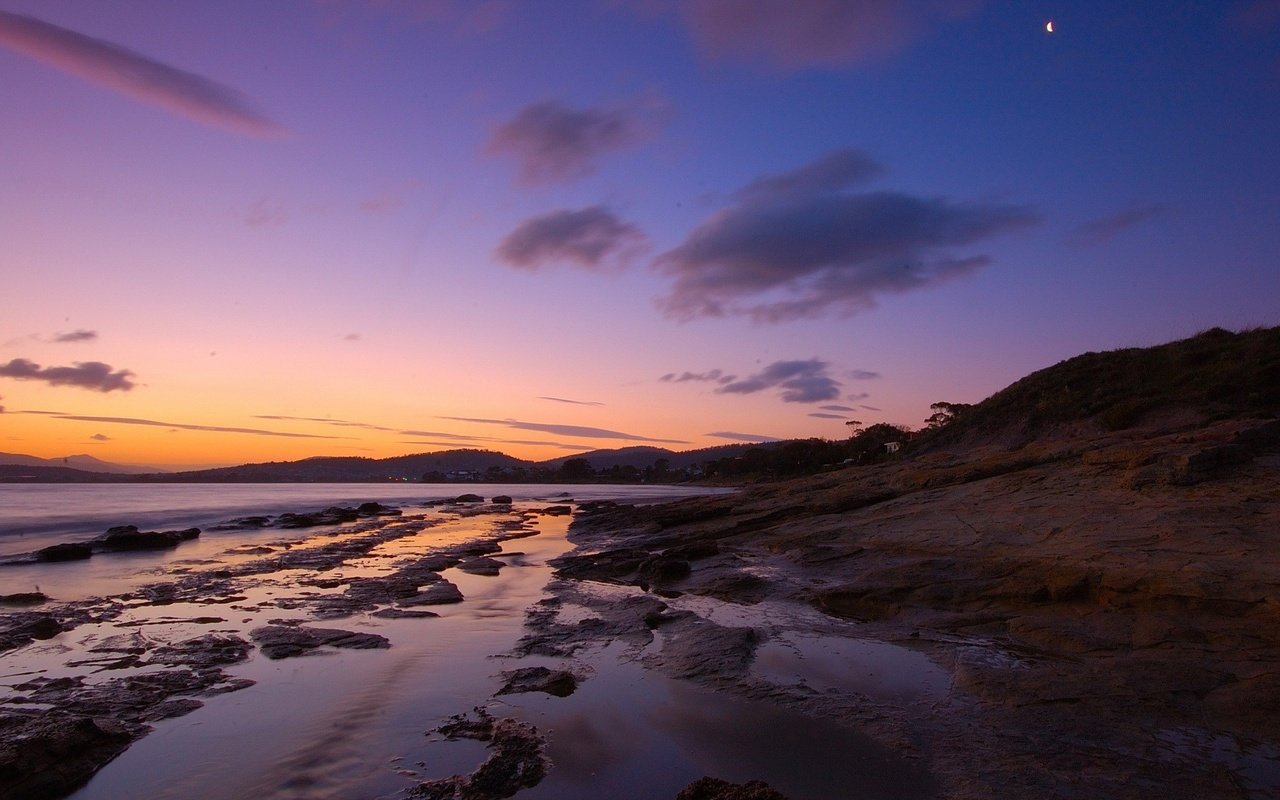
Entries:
{"x":1107,"y":603}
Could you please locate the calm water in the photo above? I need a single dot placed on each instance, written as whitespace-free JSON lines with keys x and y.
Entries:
{"x":36,"y":515}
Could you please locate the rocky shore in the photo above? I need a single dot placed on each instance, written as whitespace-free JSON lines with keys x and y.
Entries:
{"x":1103,"y":606}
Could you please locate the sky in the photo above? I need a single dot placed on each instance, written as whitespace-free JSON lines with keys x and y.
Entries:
{"x":241,"y":231}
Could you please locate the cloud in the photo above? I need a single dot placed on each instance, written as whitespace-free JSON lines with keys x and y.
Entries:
{"x":799,"y":34}
{"x":836,"y":408}
{"x":566,"y":430}
{"x":592,"y":237}
{"x":1103,"y":229}
{"x":574,"y":402}
{"x":553,"y":143}
{"x":266,"y":213}
{"x":823,"y":415}
{"x":339,"y":423}
{"x":870,"y":408}
{"x":801,"y":382}
{"x":351,"y":337}
{"x":833,"y":172}
{"x":80,"y":335}
{"x":100,"y":437}
{"x":862,"y":375}
{"x":796,"y":247}
{"x":743,"y":437}
{"x":87,"y":375}
{"x":115,"y":67}
{"x":180,"y":425}
{"x":684,"y":377}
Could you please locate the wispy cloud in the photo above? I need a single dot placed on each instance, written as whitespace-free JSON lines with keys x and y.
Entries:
{"x":862,"y":375}
{"x":715,"y":375}
{"x":594,"y":238}
{"x":339,"y":423}
{"x":1097,"y":231}
{"x":836,"y":408}
{"x":743,"y":437}
{"x":833,"y":172}
{"x":80,"y":335}
{"x":86,"y":375}
{"x":351,"y":337}
{"x":798,"y":34}
{"x":800,"y":381}
{"x":100,"y":437}
{"x":573,"y":402}
{"x":115,"y":67}
{"x":182,"y":426}
{"x":824,"y":415}
{"x":804,"y":248}
{"x":566,"y":430}
{"x":266,"y":213}
{"x":555,"y":143}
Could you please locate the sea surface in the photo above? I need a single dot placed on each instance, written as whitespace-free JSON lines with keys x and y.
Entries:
{"x":33,"y":516}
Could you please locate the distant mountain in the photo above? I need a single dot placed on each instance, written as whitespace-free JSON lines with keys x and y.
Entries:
{"x":342,"y":469}
{"x":81,"y":461}
{"x":643,"y":456}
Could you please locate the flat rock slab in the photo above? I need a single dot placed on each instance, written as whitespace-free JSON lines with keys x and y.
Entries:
{"x":286,"y":641}
{"x":558,"y":683}
{"x":481,"y":565}
{"x":436,"y":594}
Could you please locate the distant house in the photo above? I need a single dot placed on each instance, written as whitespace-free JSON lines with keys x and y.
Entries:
{"x":892,"y":447}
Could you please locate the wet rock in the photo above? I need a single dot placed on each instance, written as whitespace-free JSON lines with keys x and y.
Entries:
{"x":558,"y":683}
{"x":128,"y":537}
{"x":333,"y":515}
{"x":210,"y":650}
{"x":243,"y":523}
{"x":709,"y":788}
{"x":441,"y":593}
{"x":281,"y":641}
{"x":49,"y":754}
{"x":501,"y":499}
{"x":23,"y":599}
{"x":372,"y":509}
{"x":696,"y":648}
{"x":468,"y":498}
{"x":481,"y":565}
{"x":556,"y":511}
{"x":66,"y":551}
{"x":516,"y":760}
{"x":401,"y":613}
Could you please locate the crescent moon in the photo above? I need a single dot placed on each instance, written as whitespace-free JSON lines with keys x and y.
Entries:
{"x":1048,"y":27}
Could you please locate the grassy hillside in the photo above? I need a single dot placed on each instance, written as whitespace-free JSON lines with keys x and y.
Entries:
{"x":1211,"y":376}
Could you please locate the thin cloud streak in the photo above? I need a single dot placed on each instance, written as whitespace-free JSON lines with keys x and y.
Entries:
{"x":75,"y":336}
{"x":743,"y":437}
{"x":718,"y":376}
{"x":1098,"y":231}
{"x":803,"y":34}
{"x":93,"y":375}
{"x":184,"y":426}
{"x":566,"y":430}
{"x":133,"y":74}
{"x":573,"y":402}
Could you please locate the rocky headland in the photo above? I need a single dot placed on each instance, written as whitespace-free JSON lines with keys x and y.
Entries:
{"x":1092,"y":557}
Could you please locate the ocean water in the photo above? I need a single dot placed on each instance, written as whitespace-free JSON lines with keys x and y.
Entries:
{"x":33,"y":516}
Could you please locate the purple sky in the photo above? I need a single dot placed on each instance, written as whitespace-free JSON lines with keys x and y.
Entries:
{"x":243,"y":231}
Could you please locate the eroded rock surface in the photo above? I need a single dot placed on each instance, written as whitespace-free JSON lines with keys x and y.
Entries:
{"x":1106,"y":603}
